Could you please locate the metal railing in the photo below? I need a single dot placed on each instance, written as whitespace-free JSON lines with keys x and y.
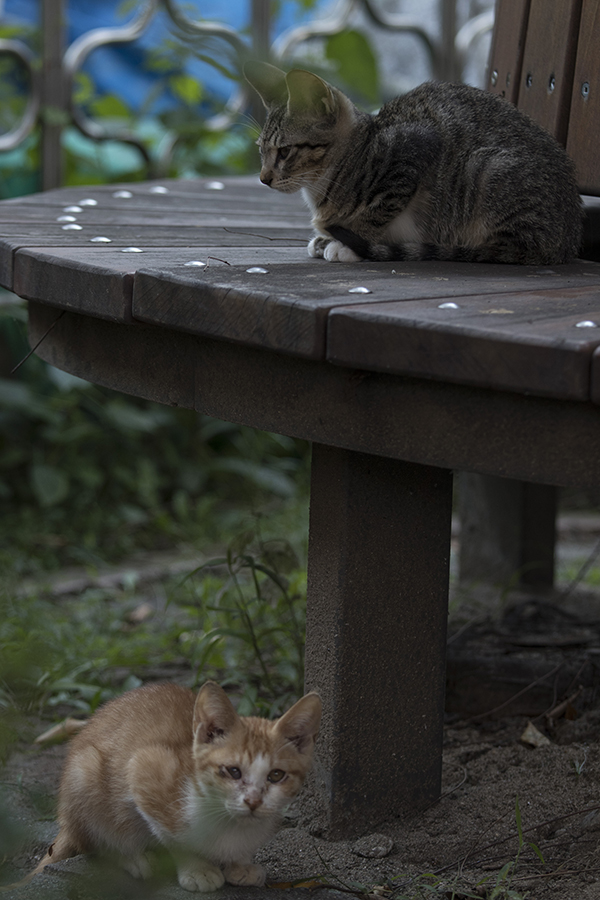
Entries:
{"x":51,"y":98}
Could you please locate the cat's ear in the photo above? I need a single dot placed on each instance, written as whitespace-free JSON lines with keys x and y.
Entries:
{"x":214,"y":715}
{"x":310,"y":94}
{"x":300,"y":724}
{"x":268,"y":81}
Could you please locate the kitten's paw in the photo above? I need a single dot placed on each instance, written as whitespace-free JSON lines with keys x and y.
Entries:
{"x":316,"y":247}
{"x":137,"y":866}
{"x":335,"y":251}
{"x":245,"y":873}
{"x":200,"y":876}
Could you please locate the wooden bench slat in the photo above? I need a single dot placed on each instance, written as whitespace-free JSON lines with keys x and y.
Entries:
{"x":518,"y":342}
{"x":549,"y":62}
{"x":584,"y":121}
{"x":508,"y":44}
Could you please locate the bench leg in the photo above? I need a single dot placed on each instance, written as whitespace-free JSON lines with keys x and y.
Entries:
{"x":378,"y":567}
{"x":507,"y":530}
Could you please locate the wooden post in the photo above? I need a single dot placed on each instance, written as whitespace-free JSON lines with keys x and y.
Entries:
{"x":376,"y":631}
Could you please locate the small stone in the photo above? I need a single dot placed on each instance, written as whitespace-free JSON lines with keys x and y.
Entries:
{"x":72,"y":209}
{"x":359,"y":290}
{"x":257,"y":270}
{"x":587,"y":323}
{"x":66,"y":219}
{"x":373,"y":846}
{"x":159,"y":189}
{"x":215,"y":185}
{"x":195,"y":262}
{"x":124,"y":195}
{"x":88,"y":202}
{"x":71,"y":227}
{"x":100,"y":240}
{"x":131,"y":250}
{"x":448,"y":306}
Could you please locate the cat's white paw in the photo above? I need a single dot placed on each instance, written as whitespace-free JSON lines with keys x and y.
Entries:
{"x":200,"y":876}
{"x":137,"y":866}
{"x":335,"y":251}
{"x":245,"y":873}
{"x":315,"y":247}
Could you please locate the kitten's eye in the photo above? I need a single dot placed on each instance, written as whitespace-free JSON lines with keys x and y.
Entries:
{"x":234,"y":772}
{"x":275,"y":775}
{"x":283,"y":152}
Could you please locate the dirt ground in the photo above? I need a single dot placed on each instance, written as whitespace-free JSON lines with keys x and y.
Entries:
{"x":541,"y":651}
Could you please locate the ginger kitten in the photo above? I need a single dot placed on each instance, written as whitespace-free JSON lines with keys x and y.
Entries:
{"x":161,"y":766}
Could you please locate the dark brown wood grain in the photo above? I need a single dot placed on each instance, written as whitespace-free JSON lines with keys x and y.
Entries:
{"x":286,"y":311}
{"x":79,"y":285}
{"x":525,"y":342}
{"x":548,"y":63}
{"x":584,"y":123}
{"x":436,"y":423}
{"x":508,"y":44}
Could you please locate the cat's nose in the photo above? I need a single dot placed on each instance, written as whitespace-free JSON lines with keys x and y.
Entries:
{"x":253,"y":802}
{"x":266,"y":179}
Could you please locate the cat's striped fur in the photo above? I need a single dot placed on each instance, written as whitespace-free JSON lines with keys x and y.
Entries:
{"x":446,"y":171}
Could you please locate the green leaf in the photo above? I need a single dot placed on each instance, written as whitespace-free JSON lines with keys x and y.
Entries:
{"x":356,"y":63}
{"x":519,"y":825}
{"x":111,"y":107}
{"x":538,"y":852}
{"x":186,"y":88}
{"x":50,"y":485}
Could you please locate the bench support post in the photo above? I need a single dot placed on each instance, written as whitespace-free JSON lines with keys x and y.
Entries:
{"x":507,"y":530}
{"x":378,"y":568}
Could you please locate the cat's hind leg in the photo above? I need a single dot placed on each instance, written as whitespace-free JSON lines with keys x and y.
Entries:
{"x":245,"y":873}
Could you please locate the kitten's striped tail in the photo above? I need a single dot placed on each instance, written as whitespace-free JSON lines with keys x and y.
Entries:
{"x":405,"y":252}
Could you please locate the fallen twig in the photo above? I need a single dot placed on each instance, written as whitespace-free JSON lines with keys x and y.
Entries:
{"x":34,"y":348}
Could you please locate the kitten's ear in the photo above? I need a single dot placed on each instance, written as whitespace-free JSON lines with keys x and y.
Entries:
{"x":214,"y":715}
{"x":300,"y":724}
{"x":310,"y":94}
{"x":268,"y":81}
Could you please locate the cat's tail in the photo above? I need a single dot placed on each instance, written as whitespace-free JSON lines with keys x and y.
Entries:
{"x":62,"y":848}
{"x":402,"y":252}
{"x":513,"y":250}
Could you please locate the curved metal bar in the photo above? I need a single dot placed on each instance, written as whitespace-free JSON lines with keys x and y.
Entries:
{"x":471,"y":32}
{"x":337,"y":21}
{"x":210,"y":29}
{"x":76,"y":55}
{"x":408,"y":25}
{"x":194,"y":29}
{"x":16,"y":135}
{"x":81,"y":48}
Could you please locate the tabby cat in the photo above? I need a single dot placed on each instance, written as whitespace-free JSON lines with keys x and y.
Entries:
{"x":446,"y":171}
{"x":160,"y":766}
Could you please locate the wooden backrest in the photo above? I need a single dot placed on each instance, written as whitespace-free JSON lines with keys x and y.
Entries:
{"x":545,"y":58}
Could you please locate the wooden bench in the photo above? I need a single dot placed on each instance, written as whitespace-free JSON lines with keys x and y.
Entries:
{"x":485,"y":369}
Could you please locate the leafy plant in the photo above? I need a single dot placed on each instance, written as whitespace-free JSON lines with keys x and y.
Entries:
{"x":88,"y":474}
{"x":250,"y":610}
